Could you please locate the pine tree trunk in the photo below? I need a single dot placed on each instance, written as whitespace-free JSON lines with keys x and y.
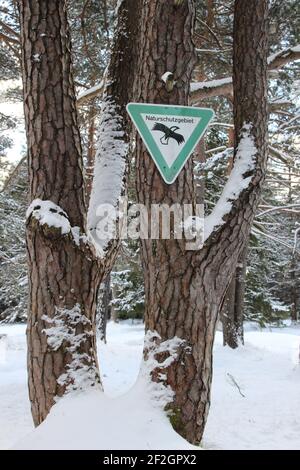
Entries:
{"x":184,"y":290}
{"x":91,"y":151}
{"x":294,"y":291}
{"x":105,"y":308}
{"x":233,"y":310}
{"x":63,"y":277}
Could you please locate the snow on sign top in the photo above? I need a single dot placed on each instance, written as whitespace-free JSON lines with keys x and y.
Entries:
{"x":170,"y":133}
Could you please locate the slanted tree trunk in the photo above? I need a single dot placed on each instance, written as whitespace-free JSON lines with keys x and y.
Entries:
{"x":114,"y":127}
{"x":184,"y":290}
{"x":232,"y":315}
{"x":64,"y":273}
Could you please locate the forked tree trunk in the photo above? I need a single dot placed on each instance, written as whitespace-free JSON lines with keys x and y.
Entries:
{"x":184,"y":290}
{"x":63,"y":278}
{"x":64,"y":273}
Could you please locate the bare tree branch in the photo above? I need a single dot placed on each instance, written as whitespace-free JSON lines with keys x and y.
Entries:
{"x":210,"y":31}
{"x":8,"y":39}
{"x":90,"y":93}
{"x":281,"y":58}
{"x":9,"y":30}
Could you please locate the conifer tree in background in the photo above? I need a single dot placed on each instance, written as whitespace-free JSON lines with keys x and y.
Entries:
{"x":13,"y":272}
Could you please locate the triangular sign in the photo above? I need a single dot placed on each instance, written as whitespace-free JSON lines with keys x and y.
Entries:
{"x":170,"y":133}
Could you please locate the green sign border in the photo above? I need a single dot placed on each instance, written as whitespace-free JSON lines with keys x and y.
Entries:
{"x":169,"y":174}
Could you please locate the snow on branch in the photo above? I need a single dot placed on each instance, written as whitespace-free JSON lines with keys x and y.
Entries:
{"x":236,"y":183}
{"x":50,"y":214}
{"x":109,"y":171}
{"x":280,"y":155}
{"x":90,"y":93}
{"x":281,"y":58}
{"x":278,"y":208}
{"x":258,"y":232}
{"x":223,"y":86}
{"x":286,"y":125}
{"x":210,"y":88}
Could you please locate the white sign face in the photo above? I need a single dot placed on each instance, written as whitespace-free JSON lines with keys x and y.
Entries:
{"x":170,"y":133}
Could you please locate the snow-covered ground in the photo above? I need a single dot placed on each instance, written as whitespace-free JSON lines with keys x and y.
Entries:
{"x":255,"y":396}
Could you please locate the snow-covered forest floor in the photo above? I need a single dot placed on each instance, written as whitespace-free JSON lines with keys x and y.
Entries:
{"x":255,"y":396}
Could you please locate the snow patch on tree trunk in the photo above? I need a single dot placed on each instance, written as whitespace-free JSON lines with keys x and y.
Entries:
{"x":52,"y":215}
{"x":80,"y":373}
{"x":166,"y":76}
{"x":160,"y":392}
{"x":110,"y":167}
{"x":48,"y":213}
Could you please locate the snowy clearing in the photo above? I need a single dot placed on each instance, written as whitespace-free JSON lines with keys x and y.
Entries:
{"x":255,"y":397}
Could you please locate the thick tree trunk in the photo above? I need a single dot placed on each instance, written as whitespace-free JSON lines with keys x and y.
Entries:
{"x":64,"y":273}
{"x":184,"y":290}
{"x":63,"y":278}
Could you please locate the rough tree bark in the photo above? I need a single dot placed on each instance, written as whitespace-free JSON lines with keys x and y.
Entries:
{"x":62,"y":277}
{"x":64,"y":273}
{"x":233,"y":311}
{"x":294,"y":290}
{"x":91,"y":151}
{"x":184,"y":290}
{"x":105,"y":308}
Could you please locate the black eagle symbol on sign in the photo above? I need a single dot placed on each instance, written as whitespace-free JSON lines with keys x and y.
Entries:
{"x":169,"y":133}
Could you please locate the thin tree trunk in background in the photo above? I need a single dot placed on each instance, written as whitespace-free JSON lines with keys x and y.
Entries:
{"x":240,"y":294}
{"x":199,"y":156}
{"x":114,"y":311}
{"x":210,"y":14}
{"x":294,"y":289}
{"x":184,"y":290}
{"x":91,"y":151}
{"x":233,"y":311}
{"x":62,"y":275}
{"x":105,"y":308}
{"x":231,"y":138}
